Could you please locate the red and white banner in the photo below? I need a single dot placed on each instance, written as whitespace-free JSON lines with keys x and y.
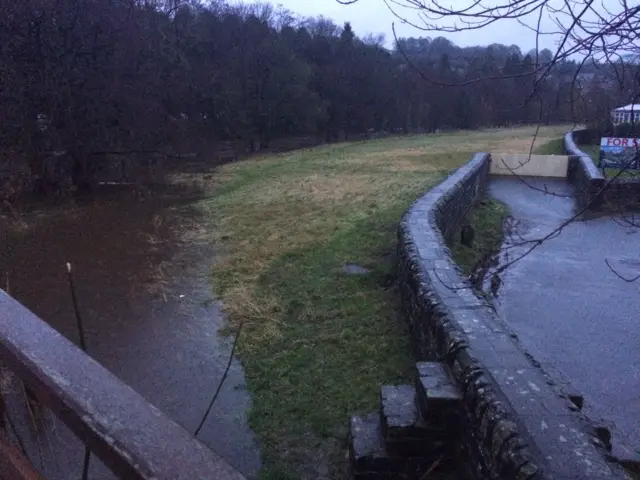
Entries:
{"x":619,"y":142}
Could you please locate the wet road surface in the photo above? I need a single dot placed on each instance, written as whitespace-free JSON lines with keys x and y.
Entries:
{"x":571,"y":311}
{"x":142,"y":278}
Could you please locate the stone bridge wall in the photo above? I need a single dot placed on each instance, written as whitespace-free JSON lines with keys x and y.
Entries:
{"x":620,"y":194}
{"x":518,"y":425}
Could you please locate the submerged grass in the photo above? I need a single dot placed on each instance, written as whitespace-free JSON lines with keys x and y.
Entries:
{"x":317,"y":343}
{"x":487,"y":219}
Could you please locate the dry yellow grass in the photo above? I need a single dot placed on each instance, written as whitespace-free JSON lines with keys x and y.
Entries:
{"x":271,"y":205}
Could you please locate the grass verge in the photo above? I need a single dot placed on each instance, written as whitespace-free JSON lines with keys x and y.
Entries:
{"x":553,"y":147}
{"x":318,"y":343}
{"x":487,"y":219}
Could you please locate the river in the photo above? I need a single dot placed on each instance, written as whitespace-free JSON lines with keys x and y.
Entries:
{"x":141,"y":266}
{"x":571,"y":310}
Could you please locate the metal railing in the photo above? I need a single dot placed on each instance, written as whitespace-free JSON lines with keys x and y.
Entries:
{"x":131,"y":437}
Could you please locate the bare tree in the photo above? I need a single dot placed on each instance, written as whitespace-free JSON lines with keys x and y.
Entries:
{"x":604,"y":31}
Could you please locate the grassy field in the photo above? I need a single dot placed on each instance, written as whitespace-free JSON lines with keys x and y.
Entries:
{"x":592,"y":150}
{"x":317,"y":343}
{"x":551,"y":147}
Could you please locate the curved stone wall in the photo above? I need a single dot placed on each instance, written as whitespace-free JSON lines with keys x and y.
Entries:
{"x":517,"y":425}
{"x":583,"y":174}
{"x":620,"y":194}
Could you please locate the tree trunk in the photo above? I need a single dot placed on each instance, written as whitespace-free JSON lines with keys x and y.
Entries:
{"x":80,"y":177}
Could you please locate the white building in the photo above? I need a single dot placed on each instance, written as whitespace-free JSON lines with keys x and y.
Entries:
{"x":627,"y":114}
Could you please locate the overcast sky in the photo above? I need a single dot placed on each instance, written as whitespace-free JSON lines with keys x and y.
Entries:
{"x":373,"y":16}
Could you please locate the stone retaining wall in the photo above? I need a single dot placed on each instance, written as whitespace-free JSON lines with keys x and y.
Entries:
{"x":583,"y":175}
{"x":517,"y":425}
{"x":620,"y":194}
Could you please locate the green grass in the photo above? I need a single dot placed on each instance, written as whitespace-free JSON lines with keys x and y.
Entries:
{"x":487,"y":219}
{"x":553,"y":147}
{"x":593,"y":151}
{"x":316,"y":343}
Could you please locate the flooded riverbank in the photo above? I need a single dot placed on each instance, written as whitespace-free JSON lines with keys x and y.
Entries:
{"x":141,"y":268}
{"x":572,"y":312}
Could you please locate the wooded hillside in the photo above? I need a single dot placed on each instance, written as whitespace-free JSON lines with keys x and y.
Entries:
{"x":81,"y":78}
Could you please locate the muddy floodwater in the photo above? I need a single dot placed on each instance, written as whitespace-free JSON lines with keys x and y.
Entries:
{"x":141,"y":267}
{"x":569,"y":303}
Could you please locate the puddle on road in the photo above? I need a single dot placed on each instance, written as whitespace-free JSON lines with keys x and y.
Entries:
{"x":141,"y":268}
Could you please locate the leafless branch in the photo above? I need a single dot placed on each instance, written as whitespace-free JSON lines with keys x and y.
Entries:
{"x":221,"y":383}
{"x":626,"y":279}
{"x":83,"y":345}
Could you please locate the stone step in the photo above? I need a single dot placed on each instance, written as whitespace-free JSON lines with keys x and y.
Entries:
{"x":439,"y":400}
{"x":370,"y":460}
{"x":405,"y":433}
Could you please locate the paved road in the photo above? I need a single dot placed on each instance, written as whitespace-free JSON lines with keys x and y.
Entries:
{"x":570,"y":310}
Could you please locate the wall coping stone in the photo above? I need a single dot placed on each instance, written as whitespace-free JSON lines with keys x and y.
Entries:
{"x":586,"y":161}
